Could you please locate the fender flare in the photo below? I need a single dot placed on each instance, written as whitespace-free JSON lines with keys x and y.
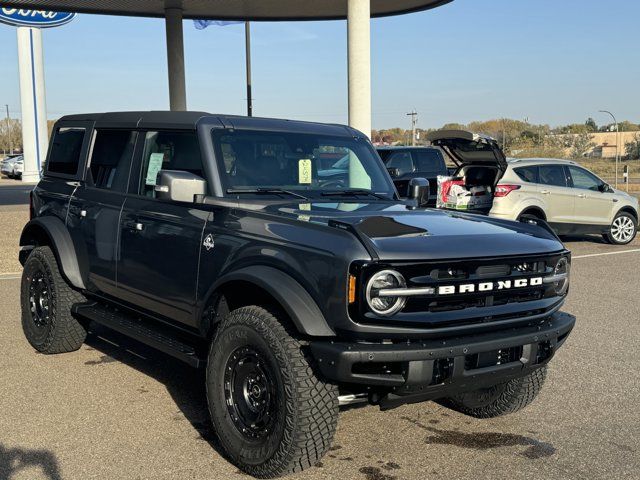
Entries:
{"x":294,"y":299}
{"x":59,"y":241}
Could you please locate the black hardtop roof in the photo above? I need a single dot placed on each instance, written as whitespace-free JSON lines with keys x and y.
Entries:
{"x":191,"y":119}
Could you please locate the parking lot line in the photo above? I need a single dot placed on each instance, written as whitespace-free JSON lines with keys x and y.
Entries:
{"x":10,"y":276}
{"x":606,"y":253}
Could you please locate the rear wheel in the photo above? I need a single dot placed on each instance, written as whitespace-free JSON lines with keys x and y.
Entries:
{"x":507,"y":397}
{"x":270,"y":411}
{"x":623,"y":229}
{"x":46,"y":301}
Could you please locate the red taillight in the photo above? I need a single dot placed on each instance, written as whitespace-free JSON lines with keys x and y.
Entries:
{"x":504,"y":190}
{"x":31,"y":208}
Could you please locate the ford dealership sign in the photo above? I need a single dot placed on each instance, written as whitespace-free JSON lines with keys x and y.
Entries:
{"x":34,"y":18}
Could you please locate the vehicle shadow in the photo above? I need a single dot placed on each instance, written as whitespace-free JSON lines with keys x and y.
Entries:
{"x":185,"y":384}
{"x":584,"y":239}
{"x":14,"y":460}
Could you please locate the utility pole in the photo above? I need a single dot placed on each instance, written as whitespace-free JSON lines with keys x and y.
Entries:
{"x":9,"y":141}
{"x":414,"y":120}
{"x":247,"y":46}
{"x":617,"y":142}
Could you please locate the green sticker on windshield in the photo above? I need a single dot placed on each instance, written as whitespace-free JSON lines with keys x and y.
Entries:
{"x":304,"y":171}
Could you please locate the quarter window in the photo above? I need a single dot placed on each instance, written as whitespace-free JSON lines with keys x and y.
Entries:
{"x":168,"y":151}
{"x":111,"y":159}
{"x":527,"y":174}
{"x":553,"y":175}
{"x":64,"y":156}
{"x":583,"y":179}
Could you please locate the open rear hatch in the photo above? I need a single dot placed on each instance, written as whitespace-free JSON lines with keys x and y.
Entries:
{"x":480,"y":166}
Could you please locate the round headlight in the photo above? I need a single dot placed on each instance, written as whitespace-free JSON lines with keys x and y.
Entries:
{"x":562,"y":270}
{"x":384,"y":304}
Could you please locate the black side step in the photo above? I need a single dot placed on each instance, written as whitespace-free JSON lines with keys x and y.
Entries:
{"x":145,"y":332}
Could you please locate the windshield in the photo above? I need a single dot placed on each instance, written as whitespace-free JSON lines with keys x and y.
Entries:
{"x":311,"y":165}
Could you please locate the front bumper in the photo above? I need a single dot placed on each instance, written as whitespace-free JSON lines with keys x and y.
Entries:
{"x":425,"y":370}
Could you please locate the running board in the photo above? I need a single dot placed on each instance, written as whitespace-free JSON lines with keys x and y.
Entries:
{"x":155,"y":336}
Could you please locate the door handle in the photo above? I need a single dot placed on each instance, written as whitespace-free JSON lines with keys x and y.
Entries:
{"x":545,"y":192}
{"x":581,"y":195}
{"x":131,"y":225}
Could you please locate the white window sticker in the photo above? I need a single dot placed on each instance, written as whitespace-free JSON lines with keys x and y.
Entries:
{"x":155,"y":165}
{"x":304,"y":171}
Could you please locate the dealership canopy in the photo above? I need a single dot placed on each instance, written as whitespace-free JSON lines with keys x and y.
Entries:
{"x":357,"y":13}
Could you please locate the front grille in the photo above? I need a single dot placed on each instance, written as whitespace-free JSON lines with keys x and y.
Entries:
{"x":476,"y":306}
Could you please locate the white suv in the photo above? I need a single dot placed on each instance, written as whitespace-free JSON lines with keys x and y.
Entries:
{"x":569,"y":197}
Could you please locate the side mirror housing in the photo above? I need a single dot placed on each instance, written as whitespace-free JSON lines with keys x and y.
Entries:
{"x":419,"y":192}
{"x":179,"y":186}
{"x":605,"y":188}
{"x":393,"y":172}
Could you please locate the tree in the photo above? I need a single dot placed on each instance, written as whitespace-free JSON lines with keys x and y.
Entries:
{"x":10,"y":135}
{"x":591,"y":125}
{"x":632,"y":148}
{"x":582,"y":144}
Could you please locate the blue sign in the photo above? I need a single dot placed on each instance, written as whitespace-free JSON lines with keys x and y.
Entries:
{"x":34,"y":18}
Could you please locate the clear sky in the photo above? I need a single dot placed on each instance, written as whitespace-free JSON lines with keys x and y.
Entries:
{"x":551,"y":61}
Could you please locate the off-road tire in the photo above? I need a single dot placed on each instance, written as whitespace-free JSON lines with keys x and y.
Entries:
{"x":629,"y":220}
{"x":501,"y":399}
{"x":305,"y":406}
{"x":61,"y":332}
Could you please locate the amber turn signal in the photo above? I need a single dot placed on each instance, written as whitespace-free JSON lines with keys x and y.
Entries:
{"x":352,"y":289}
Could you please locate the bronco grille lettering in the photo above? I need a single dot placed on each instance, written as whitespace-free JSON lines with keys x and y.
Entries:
{"x":488,"y":286}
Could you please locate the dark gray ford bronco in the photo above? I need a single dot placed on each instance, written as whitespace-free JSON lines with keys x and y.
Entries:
{"x":277,"y":255}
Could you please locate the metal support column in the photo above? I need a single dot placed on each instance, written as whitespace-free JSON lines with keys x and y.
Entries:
{"x":175,"y":59}
{"x":35,"y":137}
{"x":359,"y":64}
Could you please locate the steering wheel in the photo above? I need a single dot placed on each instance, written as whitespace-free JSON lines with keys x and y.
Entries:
{"x":333,"y":183}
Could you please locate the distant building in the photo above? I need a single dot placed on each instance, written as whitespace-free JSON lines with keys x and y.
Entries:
{"x":605,"y":143}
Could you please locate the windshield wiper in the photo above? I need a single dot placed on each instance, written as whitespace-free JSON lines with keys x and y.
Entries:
{"x":353,"y":193}
{"x":277,"y":191}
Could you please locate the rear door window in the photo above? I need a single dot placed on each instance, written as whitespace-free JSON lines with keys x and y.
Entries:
{"x":527,"y":174}
{"x":66,"y":147}
{"x":111,"y":159}
{"x":168,"y":150}
{"x":553,"y":175}
{"x":402,"y":161}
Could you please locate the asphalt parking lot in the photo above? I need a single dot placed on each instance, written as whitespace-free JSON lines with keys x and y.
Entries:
{"x":116,"y":409}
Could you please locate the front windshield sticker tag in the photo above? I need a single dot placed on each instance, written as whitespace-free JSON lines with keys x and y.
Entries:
{"x":208,"y":242}
{"x":304,"y":171}
{"x":155,"y":165}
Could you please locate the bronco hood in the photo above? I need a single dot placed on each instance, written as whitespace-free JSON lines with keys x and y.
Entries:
{"x":393,"y":232}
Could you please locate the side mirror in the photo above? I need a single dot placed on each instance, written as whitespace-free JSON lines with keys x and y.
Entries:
{"x":393,"y":172}
{"x":604,"y":188}
{"x":179,"y":186}
{"x":419,"y":192}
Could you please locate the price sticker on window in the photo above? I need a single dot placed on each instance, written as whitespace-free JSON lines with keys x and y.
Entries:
{"x":304,"y":171}
{"x":155,"y":165}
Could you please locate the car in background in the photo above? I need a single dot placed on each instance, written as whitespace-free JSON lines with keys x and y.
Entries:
{"x":12,"y":166}
{"x":18,"y":167}
{"x":405,"y":163}
{"x":572,"y":199}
